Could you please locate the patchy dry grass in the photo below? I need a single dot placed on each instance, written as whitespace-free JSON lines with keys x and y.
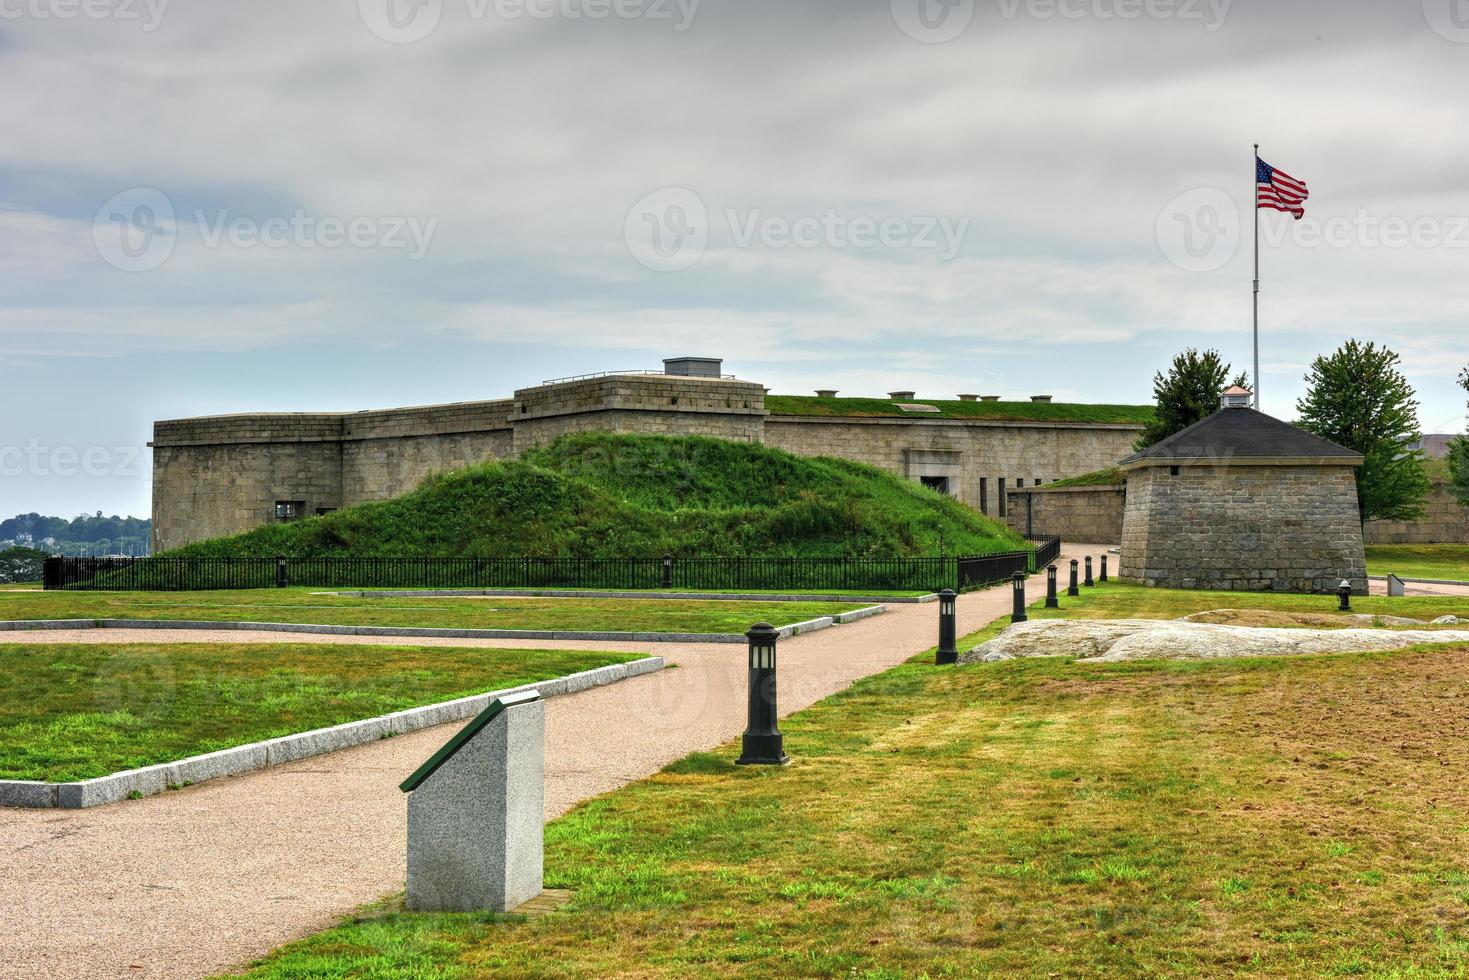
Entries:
{"x":1264,"y":818}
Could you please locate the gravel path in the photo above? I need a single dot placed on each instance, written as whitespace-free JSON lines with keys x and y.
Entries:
{"x":204,"y":879}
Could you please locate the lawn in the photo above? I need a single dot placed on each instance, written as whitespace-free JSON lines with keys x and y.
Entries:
{"x":1003,"y":411}
{"x":519,"y":613}
{"x":1272,"y":817}
{"x":1441,"y":561}
{"x":78,"y":711}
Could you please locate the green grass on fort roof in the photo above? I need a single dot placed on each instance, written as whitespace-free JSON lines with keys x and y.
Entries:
{"x":1110,"y":477}
{"x":811,"y":405}
{"x":77,"y":711}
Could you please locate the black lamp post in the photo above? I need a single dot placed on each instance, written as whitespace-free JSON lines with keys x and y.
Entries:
{"x":1017,"y":584}
{"x":1073,"y":589}
{"x":281,"y":579}
{"x":667,"y":571}
{"x":762,"y":744}
{"x":1344,"y":593}
{"x":948,"y":651}
{"x":1103,"y":577}
{"x":1089,"y":580}
{"x":1051,"y":601}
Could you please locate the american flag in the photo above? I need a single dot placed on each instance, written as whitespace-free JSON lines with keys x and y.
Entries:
{"x":1278,"y":190}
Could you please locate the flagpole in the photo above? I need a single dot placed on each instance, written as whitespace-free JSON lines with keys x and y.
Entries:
{"x":1255,"y":209}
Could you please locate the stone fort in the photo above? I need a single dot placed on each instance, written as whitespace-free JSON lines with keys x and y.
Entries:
{"x":225,"y":474}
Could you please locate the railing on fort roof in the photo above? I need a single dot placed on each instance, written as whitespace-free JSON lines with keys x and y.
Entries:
{"x":805,"y":575}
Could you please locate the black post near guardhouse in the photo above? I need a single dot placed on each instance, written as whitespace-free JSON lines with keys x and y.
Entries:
{"x":1017,"y":586}
{"x":1089,"y":581}
{"x":948,"y":651}
{"x":1051,"y":601}
{"x":281,"y":579}
{"x":1073,"y":589}
{"x":1103,"y":577}
{"x":762,"y":744}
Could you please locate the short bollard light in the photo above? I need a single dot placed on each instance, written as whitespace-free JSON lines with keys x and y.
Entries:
{"x":1073,"y":589}
{"x":281,"y":579}
{"x":1344,"y":593}
{"x":762,"y":744}
{"x":1103,"y":577}
{"x":1089,"y":580}
{"x":1017,"y":585}
{"x":1051,"y":601}
{"x":667,"y":571}
{"x":948,"y":651}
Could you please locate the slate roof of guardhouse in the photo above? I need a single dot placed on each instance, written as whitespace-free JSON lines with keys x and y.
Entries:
{"x":1244,"y":433}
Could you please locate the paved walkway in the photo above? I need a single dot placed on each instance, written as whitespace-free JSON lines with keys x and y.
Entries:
{"x":204,"y":879}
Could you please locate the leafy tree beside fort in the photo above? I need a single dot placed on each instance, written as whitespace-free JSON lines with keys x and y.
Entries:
{"x":1459,"y":457}
{"x":1357,"y":398}
{"x":1188,"y":393}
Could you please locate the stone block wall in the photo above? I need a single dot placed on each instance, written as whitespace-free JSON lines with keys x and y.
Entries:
{"x":1088,"y":515}
{"x":1446,"y":521}
{"x":1291,"y":528}
{"x":976,"y":456}
{"x":648,"y":404}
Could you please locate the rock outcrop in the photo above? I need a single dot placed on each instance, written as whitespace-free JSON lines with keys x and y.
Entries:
{"x":1115,"y":640}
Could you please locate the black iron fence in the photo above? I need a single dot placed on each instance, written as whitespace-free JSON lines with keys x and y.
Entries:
{"x":977,"y":571}
{"x":1047,"y":548}
{"x":693,"y":574}
{"x":707,"y":574}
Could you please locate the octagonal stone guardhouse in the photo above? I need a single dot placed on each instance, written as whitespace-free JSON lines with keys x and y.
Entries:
{"x":1243,"y":501}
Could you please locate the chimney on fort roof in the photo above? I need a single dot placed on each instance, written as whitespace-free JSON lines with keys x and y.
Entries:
{"x":902,"y":396}
{"x":1040,"y":398}
{"x":826,"y":392}
{"x":989,"y":398}
{"x":969,"y":398}
{"x":1237,"y":397}
{"x":693,"y":367}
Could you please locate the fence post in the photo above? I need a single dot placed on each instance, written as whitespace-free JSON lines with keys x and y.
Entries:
{"x":1051,"y":601}
{"x":281,"y":581}
{"x":1073,"y":589}
{"x":667,"y":571}
{"x":1017,"y":585}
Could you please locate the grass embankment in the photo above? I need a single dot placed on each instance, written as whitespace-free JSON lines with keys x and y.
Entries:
{"x":1440,"y":561}
{"x":498,"y":612}
{"x":810,"y":405}
{"x":1273,"y":817}
{"x":600,"y":495}
{"x":1111,"y":477}
{"x":80,"y":711}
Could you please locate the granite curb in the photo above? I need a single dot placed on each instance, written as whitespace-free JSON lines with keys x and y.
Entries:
{"x":291,"y":748}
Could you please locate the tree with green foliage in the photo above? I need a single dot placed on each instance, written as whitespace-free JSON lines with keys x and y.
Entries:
{"x":1459,"y":457}
{"x":1188,"y":393}
{"x":1359,"y":399}
{"x":21,"y":565}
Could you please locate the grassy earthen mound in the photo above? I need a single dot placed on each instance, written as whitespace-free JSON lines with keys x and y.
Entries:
{"x":602,"y":495}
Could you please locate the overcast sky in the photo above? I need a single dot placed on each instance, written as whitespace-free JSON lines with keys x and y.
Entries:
{"x":282,"y":205}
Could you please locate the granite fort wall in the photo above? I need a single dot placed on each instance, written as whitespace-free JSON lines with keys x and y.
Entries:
{"x":1078,"y":514}
{"x":223,"y":475}
{"x":975,"y":456}
{"x":1446,"y":521}
{"x":1241,"y":527}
